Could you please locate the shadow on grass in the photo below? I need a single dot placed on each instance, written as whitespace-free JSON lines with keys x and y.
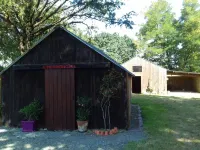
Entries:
{"x":170,"y":122}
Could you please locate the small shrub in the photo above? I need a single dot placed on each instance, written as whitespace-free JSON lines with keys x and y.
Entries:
{"x":83,"y":110}
{"x":32,"y":111}
{"x":149,"y":90}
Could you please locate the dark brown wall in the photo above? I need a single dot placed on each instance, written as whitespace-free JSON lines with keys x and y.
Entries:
{"x":20,"y":87}
{"x":58,"y":48}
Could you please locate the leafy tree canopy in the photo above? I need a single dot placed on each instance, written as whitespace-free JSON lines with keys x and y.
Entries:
{"x":120,"y":48}
{"x":157,"y":34}
{"x":172,"y":43}
{"x":24,"y":21}
{"x":189,"y":36}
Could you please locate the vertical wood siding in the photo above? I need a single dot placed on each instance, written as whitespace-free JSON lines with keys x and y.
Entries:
{"x":18,"y":90}
{"x":59,"y":99}
{"x":183,"y":83}
{"x":153,"y":74}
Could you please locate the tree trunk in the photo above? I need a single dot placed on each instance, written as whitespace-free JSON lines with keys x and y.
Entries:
{"x":24,"y":44}
{"x":21,"y":46}
{"x":109,"y":114}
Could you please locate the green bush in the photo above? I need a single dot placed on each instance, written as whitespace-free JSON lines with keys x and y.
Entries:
{"x":32,"y":111}
{"x":83,"y":110}
{"x":82,"y":114}
{"x":149,"y":90}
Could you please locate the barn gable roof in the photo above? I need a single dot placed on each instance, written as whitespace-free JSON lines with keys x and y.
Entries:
{"x":76,"y":37}
{"x":129,"y":61}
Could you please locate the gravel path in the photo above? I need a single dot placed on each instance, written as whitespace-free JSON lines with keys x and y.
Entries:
{"x":13,"y":138}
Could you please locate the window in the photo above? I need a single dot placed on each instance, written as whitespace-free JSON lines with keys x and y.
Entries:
{"x":137,"y":68}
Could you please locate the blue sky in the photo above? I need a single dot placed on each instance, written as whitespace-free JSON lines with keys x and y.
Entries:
{"x":139,"y":6}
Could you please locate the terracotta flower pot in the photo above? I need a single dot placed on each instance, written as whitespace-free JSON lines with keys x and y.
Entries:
{"x":106,"y":132}
{"x":116,"y":130}
{"x":110,"y":132}
{"x":97,"y":132}
{"x":102,"y":133}
{"x":82,"y":126}
{"x":113,"y":131}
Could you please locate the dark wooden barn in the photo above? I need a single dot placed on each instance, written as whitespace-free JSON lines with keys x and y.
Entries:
{"x":55,"y":71}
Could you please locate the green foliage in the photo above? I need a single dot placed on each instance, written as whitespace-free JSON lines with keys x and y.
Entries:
{"x":172,"y":43}
{"x":32,"y":111}
{"x":23,"y":22}
{"x":110,"y":85}
{"x":149,"y":89}
{"x":189,"y":39}
{"x":1,"y":68}
{"x":157,"y":35}
{"x":82,"y":114}
{"x":83,"y":110}
{"x":120,"y":48}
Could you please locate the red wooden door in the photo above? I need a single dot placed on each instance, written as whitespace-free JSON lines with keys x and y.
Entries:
{"x":59,"y":99}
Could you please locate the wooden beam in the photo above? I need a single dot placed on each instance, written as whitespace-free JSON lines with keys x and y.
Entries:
{"x":61,"y":66}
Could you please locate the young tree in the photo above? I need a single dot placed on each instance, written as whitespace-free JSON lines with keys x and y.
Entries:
{"x":120,"y":48}
{"x":26,"y":20}
{"x":157,"y":37}
{"x":110,"y":85}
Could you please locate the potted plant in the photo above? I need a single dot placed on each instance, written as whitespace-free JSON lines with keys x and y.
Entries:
{"x":31,"y":113}
{"x":83,"y":112}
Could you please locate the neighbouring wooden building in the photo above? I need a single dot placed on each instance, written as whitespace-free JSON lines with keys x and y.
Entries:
{"x":147,"y":76}
{"x":160,"y":80}
{"x":183,"y":81}
{"x":55,"y":71}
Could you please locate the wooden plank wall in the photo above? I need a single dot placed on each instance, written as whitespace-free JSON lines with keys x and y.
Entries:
{"x":129,"y":97}
{"x":197,"y":84}
{"x":19,"y":89}
{"x":183,"y":83}
{"x":87,"y":84}
{"x":59,"y":99}
{"x":153,"y":74}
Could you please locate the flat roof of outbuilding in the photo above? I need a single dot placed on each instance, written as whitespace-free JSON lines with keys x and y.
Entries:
{"x":172,"y":72}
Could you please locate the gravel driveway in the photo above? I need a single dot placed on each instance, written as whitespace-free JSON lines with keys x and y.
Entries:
{"x":13,"y":138}
{"x":48,"y":140}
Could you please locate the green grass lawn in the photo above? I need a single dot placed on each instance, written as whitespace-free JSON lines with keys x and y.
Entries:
{"x":170,"y":123}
